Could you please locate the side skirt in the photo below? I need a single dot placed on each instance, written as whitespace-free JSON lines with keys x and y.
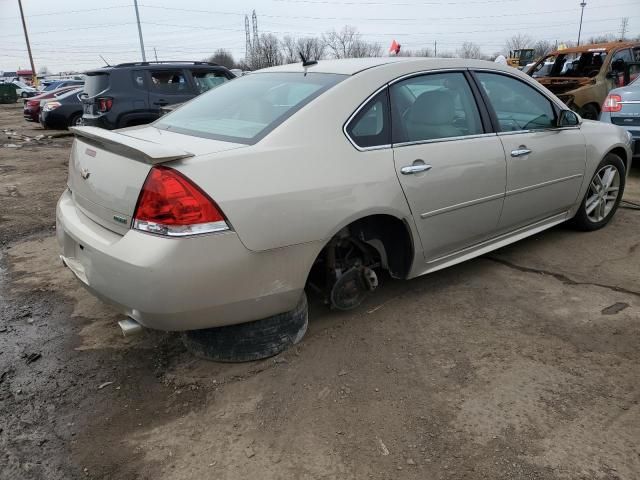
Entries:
{"x":489,"y":245}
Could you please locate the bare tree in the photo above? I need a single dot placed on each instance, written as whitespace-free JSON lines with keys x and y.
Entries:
{"x":289,"y":50}
{"x":312,"y":48}
{"x":347,"y":43}
{"x":222,"y":57}
{"x":602,"y":38}
{"x":469,"y":50}
{"x":518,"y":42}
{"x":44,"y":70}
{"x":423,"y":52}
{"x":265,"y":53}
{"x":542,"y":48}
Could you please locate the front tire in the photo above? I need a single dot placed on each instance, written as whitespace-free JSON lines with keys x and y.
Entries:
{"x":75,"y":121}
{"x":603,"y":195}
{"x":589,"y":112}
{"x":250,"y":341}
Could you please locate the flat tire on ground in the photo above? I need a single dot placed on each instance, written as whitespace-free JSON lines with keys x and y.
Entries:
{"x":603,"y":196}
{"x":250,"y":341}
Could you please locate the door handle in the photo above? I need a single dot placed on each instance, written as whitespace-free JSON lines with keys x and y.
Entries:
{"x":162,"y":103}
{"x":520,"y":152}
{"x":415,"y":168}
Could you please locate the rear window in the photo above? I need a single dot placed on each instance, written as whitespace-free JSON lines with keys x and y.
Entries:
{"x":245,"y":110}
{"x":96,"y":83}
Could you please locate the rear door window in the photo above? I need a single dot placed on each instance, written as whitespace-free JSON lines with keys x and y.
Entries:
{"x":205,"y":80}
{"x":169,"y":82}
{"x":432,"y":107}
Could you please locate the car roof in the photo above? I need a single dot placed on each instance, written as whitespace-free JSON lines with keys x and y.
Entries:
{"x":154,"y":66}
{"x":596,"y":47}
{"x":352,"y":66}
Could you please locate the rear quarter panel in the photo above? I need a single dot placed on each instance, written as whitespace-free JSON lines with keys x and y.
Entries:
{"x":305,"y":180}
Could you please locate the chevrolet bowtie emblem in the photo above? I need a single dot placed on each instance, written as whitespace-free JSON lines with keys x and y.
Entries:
{"x":85,"y":173}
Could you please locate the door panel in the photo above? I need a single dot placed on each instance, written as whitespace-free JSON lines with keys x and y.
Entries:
{"x":452,"y":172}
{"x":457,"y":202}
{"x":545,"y":181}
{"x":545,"y":164}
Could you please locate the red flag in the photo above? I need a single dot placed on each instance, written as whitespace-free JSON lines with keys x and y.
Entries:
{"x":395,"y":47}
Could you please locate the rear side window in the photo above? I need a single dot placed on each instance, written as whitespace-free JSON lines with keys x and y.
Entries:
{"x":170,"y":82}
{"x":371,"y":125}
{"x":205,"y":81}
{"x":96,"y":83}
{"x":138,"y":78}
{"x":517,"y":105}
{"x":247,"y":109}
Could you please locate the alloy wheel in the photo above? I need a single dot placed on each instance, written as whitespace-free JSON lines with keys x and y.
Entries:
{"x":603,"y":193}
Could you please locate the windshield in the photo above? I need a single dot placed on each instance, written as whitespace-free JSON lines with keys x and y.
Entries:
{"x":246,"y":109}
{"x":581,"y":64}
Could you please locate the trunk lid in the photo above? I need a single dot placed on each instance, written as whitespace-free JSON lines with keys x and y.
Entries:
{"x":107,"y":168}
{"x":629,"y":114}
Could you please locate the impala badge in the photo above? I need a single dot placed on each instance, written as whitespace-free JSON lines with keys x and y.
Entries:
{"x":85,"y":173}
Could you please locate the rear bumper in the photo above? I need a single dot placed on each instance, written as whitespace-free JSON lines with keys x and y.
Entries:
{"x":181,"y":284}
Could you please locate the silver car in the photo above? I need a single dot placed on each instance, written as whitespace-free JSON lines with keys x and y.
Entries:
{"x":622,"y":107}
{"x":321,"y":176}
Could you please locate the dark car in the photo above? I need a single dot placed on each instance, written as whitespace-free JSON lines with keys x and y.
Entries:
{"x":57,"y":84}
{"x":133,"y":93}
{"x":63,"y":112}
{"x":33,"y":105}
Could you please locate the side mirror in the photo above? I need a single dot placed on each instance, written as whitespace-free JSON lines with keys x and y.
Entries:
{"x":568,"y":118}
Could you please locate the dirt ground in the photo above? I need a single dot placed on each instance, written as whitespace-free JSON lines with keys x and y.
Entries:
{"x":523,"y":364}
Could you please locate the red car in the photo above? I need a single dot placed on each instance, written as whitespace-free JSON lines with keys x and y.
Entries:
{"x":32,"y":105}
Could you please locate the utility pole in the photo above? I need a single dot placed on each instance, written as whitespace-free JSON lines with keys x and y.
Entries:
{"x":435,"y":48}
{"x":155,"y":53}
{"x":34,"y":75}
{"x":623,"y":27}
{"x":582,"y":4}
{"x":135,"y":4}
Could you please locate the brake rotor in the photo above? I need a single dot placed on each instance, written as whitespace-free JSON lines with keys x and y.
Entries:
{"x":352,"y":288}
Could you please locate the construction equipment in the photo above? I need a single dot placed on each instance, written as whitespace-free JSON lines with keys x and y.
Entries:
{"x":520,"y":57}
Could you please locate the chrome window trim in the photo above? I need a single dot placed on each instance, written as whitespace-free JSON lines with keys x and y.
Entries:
{"x":444,"y":139}
{"x":427,"y":72}
{"x":457,"y":206}
{"x":543,"y":184}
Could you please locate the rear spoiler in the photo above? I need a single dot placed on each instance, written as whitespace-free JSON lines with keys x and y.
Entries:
{"x":134,"y":148}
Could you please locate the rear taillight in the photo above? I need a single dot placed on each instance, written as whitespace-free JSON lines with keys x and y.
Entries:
{"x":612,"y":103}
{"x":33,"y":103}
{"x":170,"y":204}
{"x":50,"y":106}
{"x":104,"y":104}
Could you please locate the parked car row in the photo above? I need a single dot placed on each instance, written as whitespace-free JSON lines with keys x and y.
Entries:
{"x":134,"y":93}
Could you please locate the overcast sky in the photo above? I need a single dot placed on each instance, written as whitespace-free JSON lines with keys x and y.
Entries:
{"x":66,"y":36}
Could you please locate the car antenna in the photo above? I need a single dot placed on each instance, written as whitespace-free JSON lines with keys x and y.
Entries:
{"x":307,"y":63}
{"x":107,"y":63}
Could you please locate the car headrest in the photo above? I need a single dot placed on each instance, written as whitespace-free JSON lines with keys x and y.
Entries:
{"x":433,"y":108}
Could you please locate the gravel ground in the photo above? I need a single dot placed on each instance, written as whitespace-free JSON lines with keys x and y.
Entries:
{"x":522,"y":364}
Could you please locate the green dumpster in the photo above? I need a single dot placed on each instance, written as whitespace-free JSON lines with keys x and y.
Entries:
{"x":8,"y":93}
